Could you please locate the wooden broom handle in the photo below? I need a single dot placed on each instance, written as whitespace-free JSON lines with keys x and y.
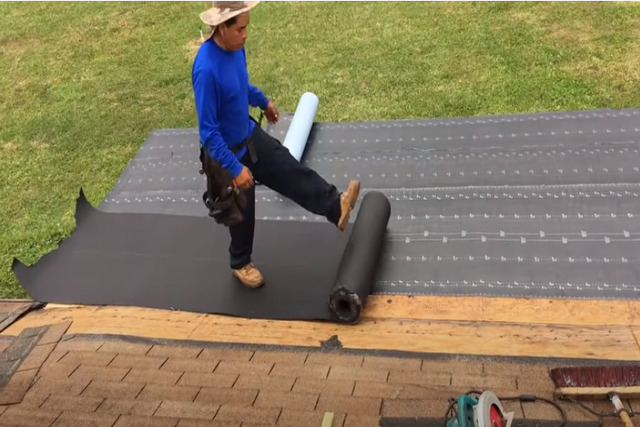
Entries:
{"x":624,"y":415}
{"x":626,"y":419}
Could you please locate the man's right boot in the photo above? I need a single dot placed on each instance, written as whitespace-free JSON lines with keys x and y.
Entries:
{"x":347,"y":202}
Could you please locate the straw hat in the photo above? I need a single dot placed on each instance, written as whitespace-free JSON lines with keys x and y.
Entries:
{"x":225,"y":10}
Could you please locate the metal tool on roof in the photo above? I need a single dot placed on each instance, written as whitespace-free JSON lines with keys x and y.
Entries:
{"x":483,"y":411}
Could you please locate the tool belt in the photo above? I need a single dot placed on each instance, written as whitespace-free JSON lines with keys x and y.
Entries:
{"x":225,"y":202}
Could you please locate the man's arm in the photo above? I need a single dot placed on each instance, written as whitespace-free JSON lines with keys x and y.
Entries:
{"x":206,"y":94}
{"x":257,"y":99}
{"x":256,"y":96}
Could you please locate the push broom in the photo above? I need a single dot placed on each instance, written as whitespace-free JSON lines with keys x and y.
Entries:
{"x":599,"y":382}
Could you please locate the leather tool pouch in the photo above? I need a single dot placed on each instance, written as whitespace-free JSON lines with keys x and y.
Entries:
{"x":225,"y":202}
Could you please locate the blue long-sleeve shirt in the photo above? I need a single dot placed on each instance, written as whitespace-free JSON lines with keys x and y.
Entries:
{"x":222,"y":95}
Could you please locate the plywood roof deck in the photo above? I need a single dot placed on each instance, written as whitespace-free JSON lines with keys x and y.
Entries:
{"x":508,"y":327}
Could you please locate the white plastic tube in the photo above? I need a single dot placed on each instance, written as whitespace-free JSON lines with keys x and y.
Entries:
{"x":298,"y":133}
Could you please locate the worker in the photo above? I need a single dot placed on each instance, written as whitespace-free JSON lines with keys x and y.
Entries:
{"x":235,"y":150}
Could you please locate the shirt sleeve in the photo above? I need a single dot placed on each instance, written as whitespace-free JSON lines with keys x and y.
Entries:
{"x":206,"y":92}
{"x":256,"y":97}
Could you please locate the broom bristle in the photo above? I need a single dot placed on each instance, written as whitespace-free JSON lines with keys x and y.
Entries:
{"x":596,"y":376}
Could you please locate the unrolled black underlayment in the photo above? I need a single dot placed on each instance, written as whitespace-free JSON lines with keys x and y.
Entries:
{"x":313,"y":271}
{"x":539,"y":205}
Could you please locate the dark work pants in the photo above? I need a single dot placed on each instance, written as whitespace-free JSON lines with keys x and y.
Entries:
{"x":277,"y":169}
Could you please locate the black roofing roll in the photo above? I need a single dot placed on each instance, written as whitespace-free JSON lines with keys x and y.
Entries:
{"x":359,"y":264}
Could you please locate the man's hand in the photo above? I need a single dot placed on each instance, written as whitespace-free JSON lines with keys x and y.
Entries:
{"x":244,"y":180}
{"x":271,"y":113}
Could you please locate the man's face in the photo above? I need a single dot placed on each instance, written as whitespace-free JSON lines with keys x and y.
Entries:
{"x":234,"y":36}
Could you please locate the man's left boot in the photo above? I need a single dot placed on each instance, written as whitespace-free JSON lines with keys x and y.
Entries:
{"x":347,"y":202}
{"x":249,"y":275}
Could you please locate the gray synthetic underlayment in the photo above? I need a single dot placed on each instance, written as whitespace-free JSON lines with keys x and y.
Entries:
{"x":514,"y":205}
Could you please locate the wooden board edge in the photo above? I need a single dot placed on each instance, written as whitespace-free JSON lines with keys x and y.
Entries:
{"x":525,"y":310}
{"x":595,"y":393}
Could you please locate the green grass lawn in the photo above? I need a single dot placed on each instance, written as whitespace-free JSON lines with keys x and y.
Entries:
{"x":82,"y":84}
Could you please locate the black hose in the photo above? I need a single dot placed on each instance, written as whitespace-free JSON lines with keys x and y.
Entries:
{"x":534,"y":398}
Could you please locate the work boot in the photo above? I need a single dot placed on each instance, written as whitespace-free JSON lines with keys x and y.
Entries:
{"x":347,"y":202}
{"x":249,"y":275}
